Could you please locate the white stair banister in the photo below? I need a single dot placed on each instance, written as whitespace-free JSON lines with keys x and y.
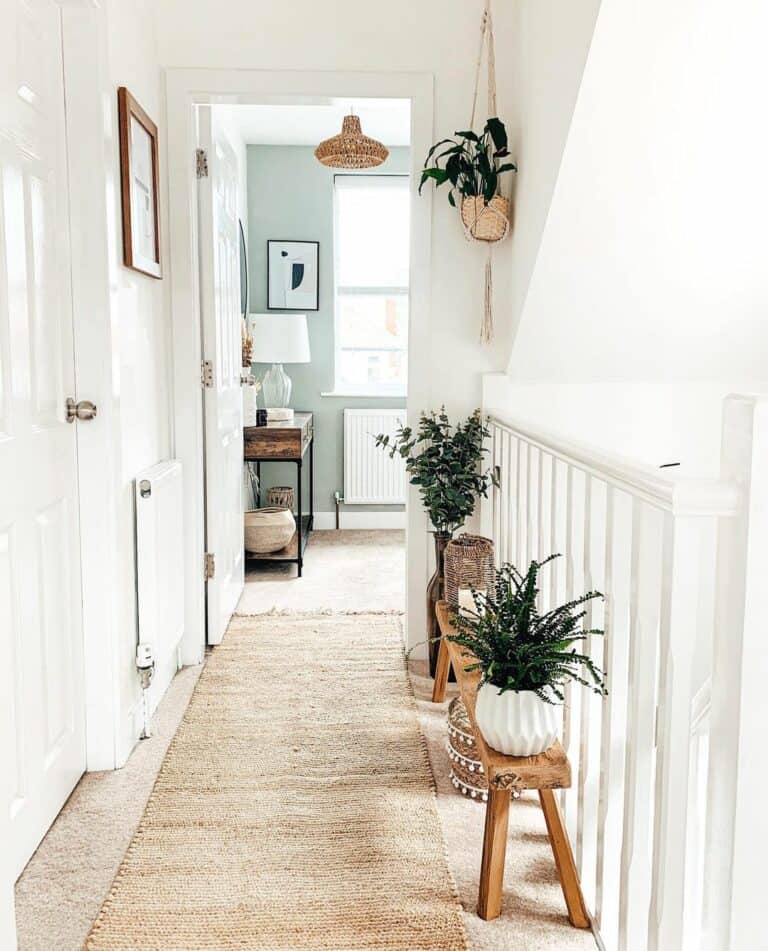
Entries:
{"x":648,"y":540}
{"x":677,"y":639}
{"x":636,"y":871}
{"x":614,"y":724}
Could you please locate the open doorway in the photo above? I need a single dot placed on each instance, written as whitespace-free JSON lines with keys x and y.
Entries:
{"x":304,"y":282}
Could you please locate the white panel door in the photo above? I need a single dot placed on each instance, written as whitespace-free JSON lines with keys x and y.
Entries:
{"x":221,"y":321}
{"x":41,"y":673}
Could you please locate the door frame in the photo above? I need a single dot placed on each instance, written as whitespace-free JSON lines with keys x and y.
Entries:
{"x":224,"y":590}
{"x":185,"y":89}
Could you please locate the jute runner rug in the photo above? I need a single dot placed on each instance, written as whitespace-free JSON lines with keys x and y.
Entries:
{"x":295,"y":807}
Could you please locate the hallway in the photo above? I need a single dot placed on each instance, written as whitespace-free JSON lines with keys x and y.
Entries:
{"x":60,"y":892}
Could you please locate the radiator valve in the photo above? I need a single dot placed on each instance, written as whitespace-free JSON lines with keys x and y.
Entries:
{"x":145,"y":662}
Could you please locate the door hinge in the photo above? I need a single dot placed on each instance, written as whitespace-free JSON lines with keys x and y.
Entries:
{"x":210,"y":566}
{"x":206,"y":373}
{"x":201,"y":163}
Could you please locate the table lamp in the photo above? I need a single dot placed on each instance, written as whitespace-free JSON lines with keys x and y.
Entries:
{"x":279,"y":339}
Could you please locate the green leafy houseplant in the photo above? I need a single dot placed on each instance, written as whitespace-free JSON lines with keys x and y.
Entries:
{"x":470,"y":163}
{"x":444,"y":460}
{"x":519,"y":649}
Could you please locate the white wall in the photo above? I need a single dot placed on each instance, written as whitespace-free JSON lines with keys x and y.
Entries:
{"x":139,"y":348}
{"x":653,"y":423}
{"x":652,"y":265}
{"x":648,"y":297}
{"x":547,"y":43}
{"x":428,"y":36}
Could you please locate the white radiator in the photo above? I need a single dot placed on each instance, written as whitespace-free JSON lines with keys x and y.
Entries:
{"x":159,"y":568}
{"x":370,"y":476}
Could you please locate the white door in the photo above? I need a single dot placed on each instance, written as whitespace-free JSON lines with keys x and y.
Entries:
{"x":221,"y":321}
{"x":41,"y":650}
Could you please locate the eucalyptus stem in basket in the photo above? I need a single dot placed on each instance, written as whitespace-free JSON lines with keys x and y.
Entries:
{"x":444,"y":461}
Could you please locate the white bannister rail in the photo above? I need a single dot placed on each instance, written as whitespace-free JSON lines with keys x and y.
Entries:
{"x":648,"y":540}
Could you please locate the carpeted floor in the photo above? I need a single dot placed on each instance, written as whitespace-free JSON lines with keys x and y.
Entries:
{"x":349,"y":571}
{"x":295,"y":807}
{"x":533,"y":915}
{"x":62,"y":888}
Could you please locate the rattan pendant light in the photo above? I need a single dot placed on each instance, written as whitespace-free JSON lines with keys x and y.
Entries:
{"x":351,"y":149}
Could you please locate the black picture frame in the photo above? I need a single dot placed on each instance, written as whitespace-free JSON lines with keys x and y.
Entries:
{"x":296,"y":297}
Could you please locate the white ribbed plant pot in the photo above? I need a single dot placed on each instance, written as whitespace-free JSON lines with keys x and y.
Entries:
{"x":516,"y":723}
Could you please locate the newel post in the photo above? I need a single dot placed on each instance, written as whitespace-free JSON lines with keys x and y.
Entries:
{"x":737,"y":819}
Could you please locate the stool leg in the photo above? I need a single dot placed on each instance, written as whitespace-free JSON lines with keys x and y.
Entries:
{"x":566,"y":867}
{"x":494,"y":849}
{"x":441,"y":672}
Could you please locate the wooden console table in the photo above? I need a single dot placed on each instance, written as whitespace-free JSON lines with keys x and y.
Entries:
{"x":288,"y":441}
{"x":545,"y":772}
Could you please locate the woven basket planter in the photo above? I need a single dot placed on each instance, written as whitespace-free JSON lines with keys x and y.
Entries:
{"x":268,"y":530}
{"x":485,"y":222}
{"x":468,"y":564}
{"x":281,"y":497}
{"x":466,"y":773}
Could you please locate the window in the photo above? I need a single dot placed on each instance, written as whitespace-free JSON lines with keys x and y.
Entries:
{"x":372,"y":254}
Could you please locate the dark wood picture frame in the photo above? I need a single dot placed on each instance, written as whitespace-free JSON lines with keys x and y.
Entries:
{"x":316,"y":246}
{"x":133,"y":255}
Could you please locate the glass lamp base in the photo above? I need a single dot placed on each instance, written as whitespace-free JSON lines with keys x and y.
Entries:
{"x":276,"y":387}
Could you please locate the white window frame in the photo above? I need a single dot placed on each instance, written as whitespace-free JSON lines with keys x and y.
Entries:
{"x":389,"y":390}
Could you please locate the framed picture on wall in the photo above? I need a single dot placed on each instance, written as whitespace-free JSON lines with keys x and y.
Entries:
{"x":139,"y":186}
{"x":293,"y":275}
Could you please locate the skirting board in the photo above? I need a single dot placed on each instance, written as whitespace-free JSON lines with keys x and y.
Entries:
{"x":326,"y":521}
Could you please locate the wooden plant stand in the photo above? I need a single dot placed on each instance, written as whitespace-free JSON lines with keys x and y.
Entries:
{"x":545,"y":772}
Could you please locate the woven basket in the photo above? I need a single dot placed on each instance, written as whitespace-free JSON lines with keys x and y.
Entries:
{"x":468,"y":564}
{"x":281,"y":497}
{"x":466,"y":772}
{"x":485,"y":222}
{"x":268,"y":530}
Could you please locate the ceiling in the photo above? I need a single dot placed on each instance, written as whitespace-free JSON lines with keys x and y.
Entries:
{"x":310,"y":121}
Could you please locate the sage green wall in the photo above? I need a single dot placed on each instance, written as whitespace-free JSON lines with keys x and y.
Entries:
{"x":290,"y":197}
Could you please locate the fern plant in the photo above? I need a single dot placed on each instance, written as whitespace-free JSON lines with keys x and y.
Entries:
{"x":443,"y":460}
{"x":517,"y":648}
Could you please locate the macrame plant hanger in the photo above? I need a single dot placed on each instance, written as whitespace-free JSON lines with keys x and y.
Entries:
{"x":486,"y":35}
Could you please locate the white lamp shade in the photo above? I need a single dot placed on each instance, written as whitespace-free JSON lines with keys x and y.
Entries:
{"x":280,"y":338}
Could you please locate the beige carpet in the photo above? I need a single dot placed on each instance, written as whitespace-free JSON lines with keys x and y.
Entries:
{"x":295,"y":807}
{"x":347,"y":571}
{"x":63,"y":886}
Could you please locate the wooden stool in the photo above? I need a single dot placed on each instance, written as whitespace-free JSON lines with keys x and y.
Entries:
{"x":545,"y":772}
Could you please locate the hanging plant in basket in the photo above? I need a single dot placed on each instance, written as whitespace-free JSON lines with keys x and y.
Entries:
{"x":472,"y":165}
